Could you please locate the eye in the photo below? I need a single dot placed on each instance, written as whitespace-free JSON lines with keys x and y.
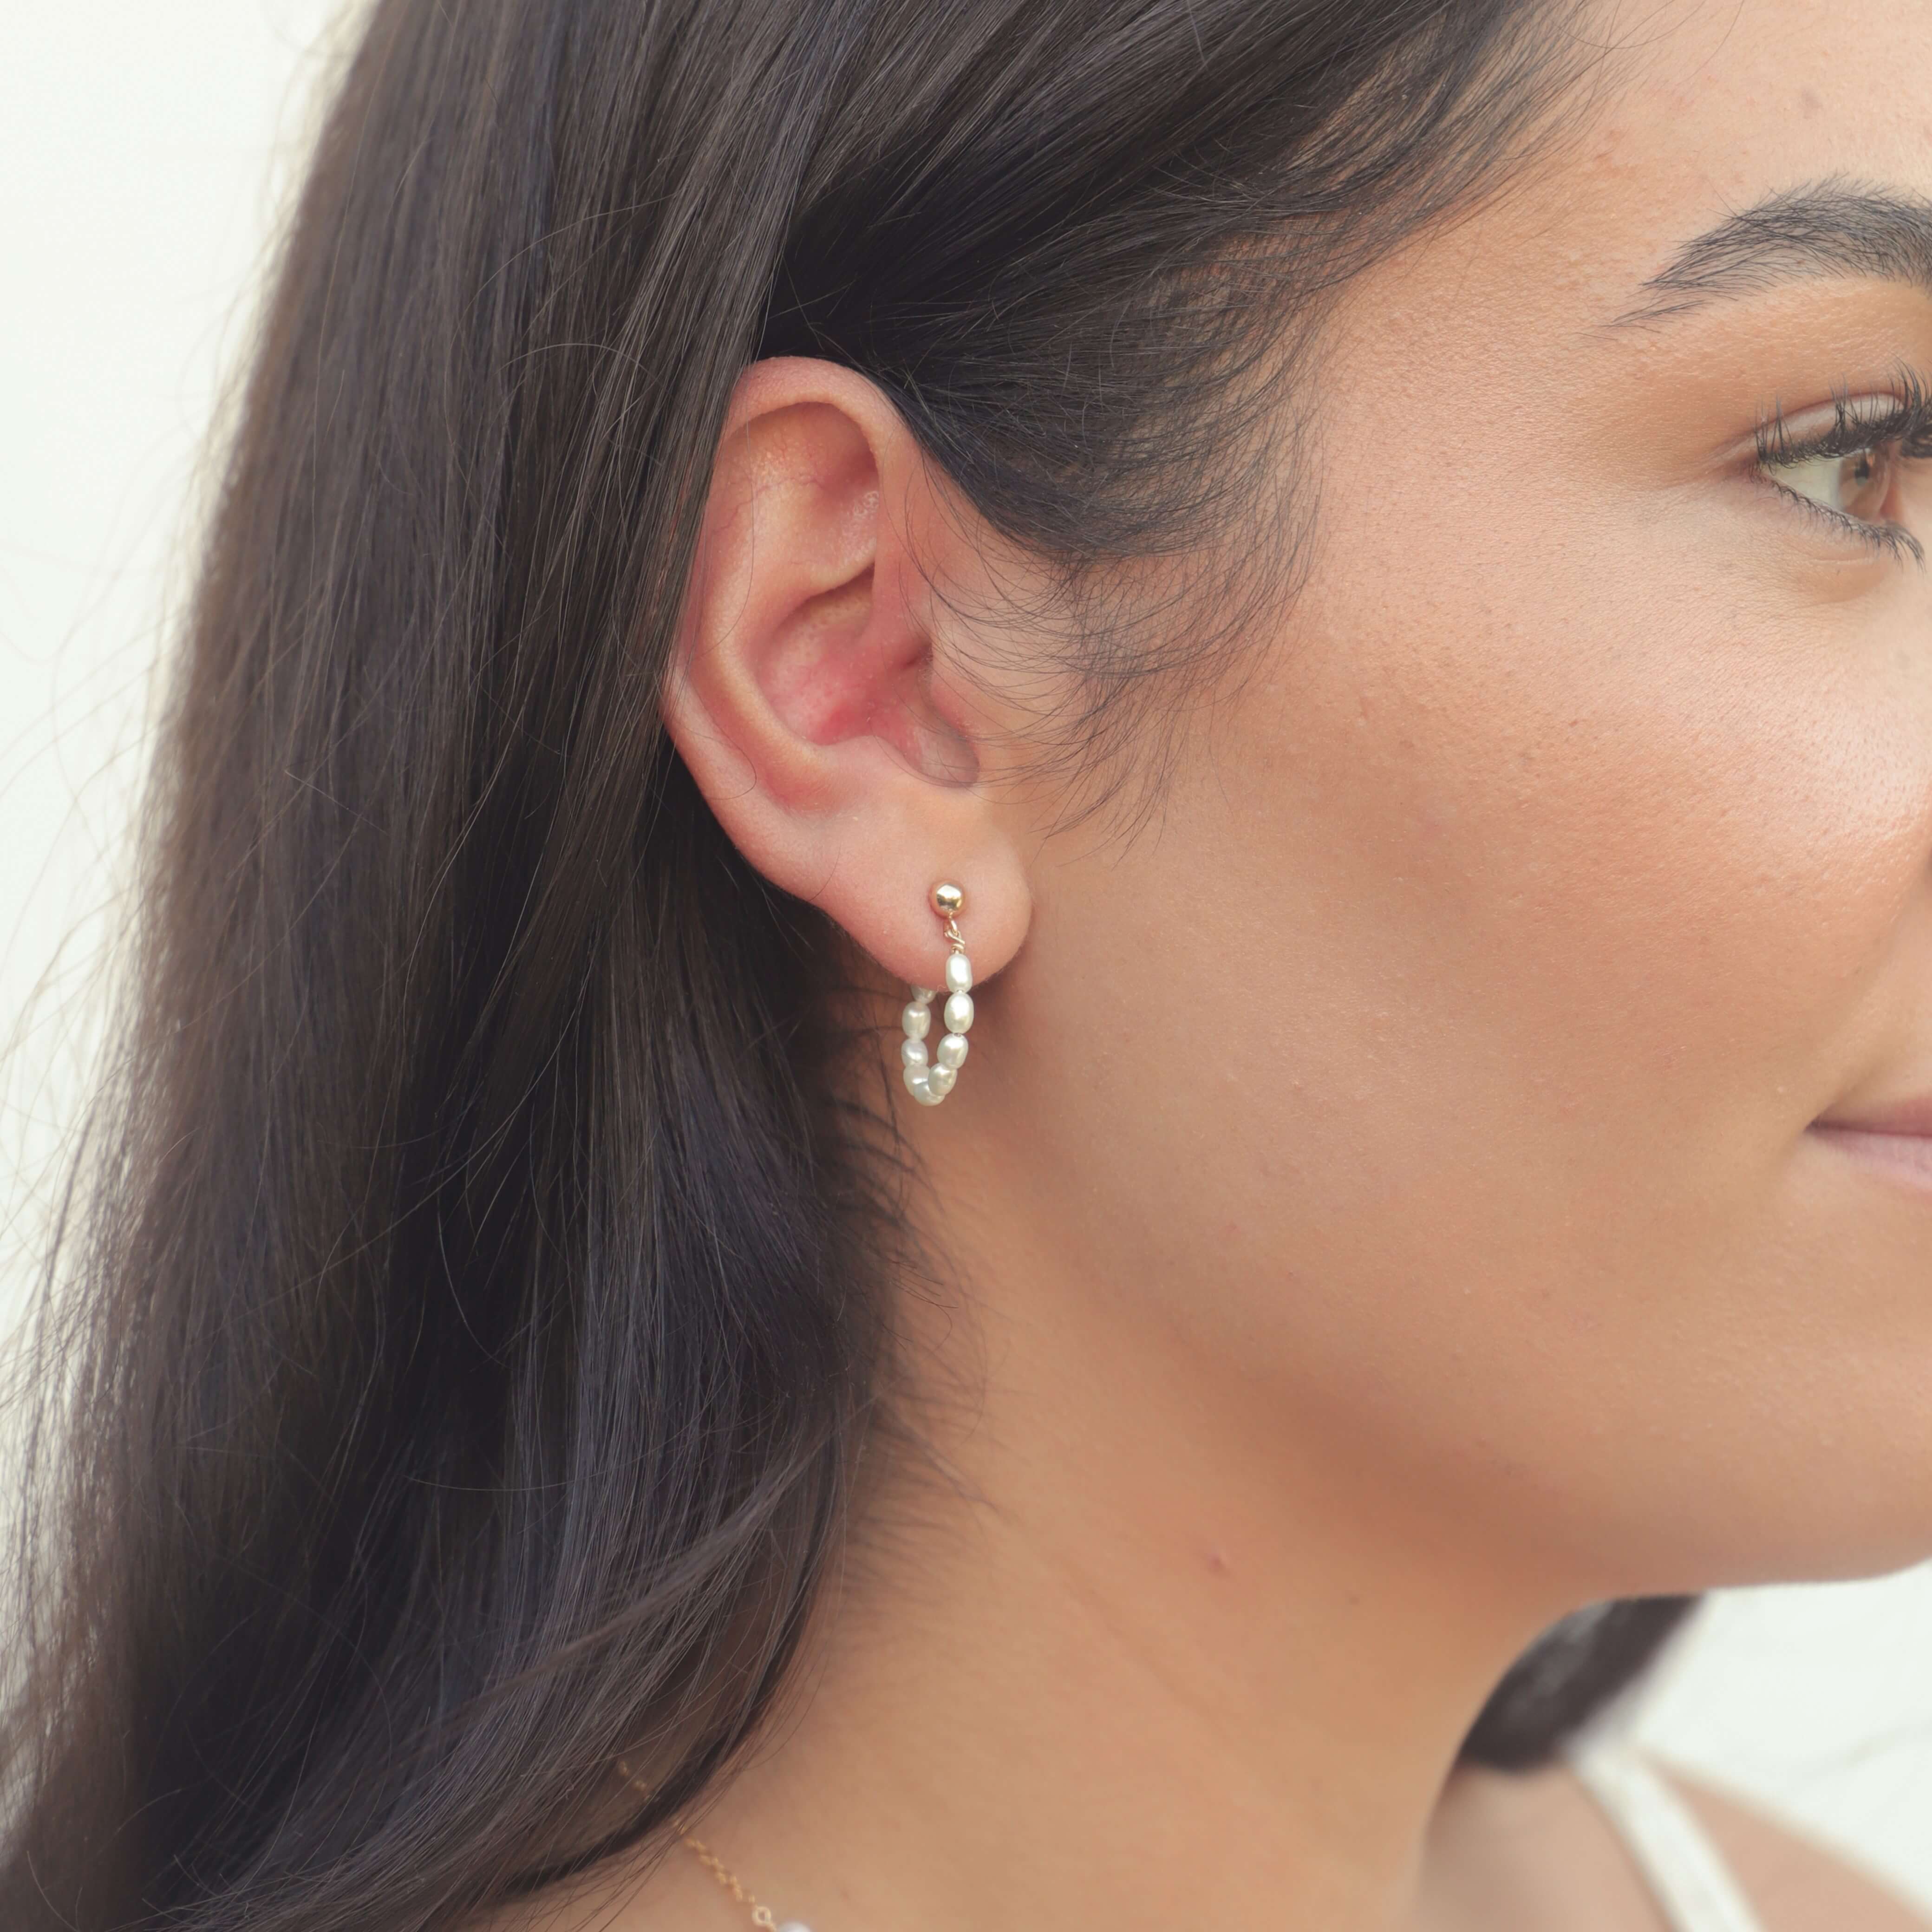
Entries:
{"x":1856,"y":485}
{"x":1862,"y":469}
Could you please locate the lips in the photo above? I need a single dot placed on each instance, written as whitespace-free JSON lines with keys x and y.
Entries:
{"x":1897,"y":1138}
{"x":1910,"y":1119}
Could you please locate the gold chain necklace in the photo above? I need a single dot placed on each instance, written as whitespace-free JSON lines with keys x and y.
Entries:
{"x":761,"y":1914}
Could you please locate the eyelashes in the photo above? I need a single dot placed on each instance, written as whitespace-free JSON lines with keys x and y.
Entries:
{"x":1901,"y":425}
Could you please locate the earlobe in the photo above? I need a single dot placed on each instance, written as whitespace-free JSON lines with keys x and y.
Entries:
{"x":803,"y":695}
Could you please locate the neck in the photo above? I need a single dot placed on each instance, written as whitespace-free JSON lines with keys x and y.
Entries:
{"x":1128,"y":1647}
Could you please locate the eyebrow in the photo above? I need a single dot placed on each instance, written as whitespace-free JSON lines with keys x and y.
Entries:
{"x":1826,"y":228}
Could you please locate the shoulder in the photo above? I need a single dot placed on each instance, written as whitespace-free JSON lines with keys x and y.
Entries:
{"x":1796,"y":1885}
{"x":1532,"y":1852}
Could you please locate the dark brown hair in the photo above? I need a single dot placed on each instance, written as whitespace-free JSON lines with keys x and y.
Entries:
{"x":480,"y":1297}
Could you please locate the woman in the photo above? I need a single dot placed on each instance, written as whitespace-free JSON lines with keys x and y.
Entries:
{"x":1039,"y":898}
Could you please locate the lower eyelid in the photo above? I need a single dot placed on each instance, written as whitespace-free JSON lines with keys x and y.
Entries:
{"x":1879,"y":540}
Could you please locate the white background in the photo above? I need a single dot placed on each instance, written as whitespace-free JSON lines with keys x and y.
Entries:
{"x":145,"y":152}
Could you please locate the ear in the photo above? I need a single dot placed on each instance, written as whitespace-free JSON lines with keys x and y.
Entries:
{"x":805,"y":696}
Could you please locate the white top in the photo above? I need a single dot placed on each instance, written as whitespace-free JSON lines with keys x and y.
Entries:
{"x":1695,"y":1888}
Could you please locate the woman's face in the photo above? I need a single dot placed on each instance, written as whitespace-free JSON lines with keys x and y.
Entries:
{"x":1451,"y":1058}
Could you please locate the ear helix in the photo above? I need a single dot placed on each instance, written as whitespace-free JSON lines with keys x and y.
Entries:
{"x":928,"y":1080}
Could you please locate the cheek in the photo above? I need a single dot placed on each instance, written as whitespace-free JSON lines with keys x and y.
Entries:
{"x":1595,"y":911}
{"x":1490,"y":966}
{"x":1645,"y":876}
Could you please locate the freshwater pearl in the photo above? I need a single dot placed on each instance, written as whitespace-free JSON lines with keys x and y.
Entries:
{"x":928,"y":1079}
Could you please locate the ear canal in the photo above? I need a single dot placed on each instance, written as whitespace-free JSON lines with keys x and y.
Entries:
{"x":942,"y":752}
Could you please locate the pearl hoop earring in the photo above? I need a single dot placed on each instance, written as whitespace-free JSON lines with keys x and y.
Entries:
{"x":928,"y":1083}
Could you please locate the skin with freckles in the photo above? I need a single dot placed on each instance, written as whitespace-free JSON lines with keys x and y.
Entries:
{"x":1454,"y":1161}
